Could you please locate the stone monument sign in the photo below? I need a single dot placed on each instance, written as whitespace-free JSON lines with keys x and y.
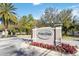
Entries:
{"x":47,"y":35}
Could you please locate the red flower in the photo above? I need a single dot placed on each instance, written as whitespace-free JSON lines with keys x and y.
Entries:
{"x":64,"y":48}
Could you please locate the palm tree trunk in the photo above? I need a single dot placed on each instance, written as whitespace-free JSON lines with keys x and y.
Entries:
{"x":6,"y":30}
{"x":5,"y":26}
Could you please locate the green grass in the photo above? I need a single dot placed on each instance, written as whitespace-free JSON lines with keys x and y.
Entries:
{"x":63,"y":37}
{"x":24,"y":36}
{"x":66,"y":37}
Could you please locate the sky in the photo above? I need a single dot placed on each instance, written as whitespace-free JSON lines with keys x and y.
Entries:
{"x":37,"y":9}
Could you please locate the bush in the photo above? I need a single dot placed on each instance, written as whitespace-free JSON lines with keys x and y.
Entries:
{"x":68,"y":48}
{"x":63,"y":48}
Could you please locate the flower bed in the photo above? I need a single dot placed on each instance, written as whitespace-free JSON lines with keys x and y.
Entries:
{"x":63,"y":48}
{"x":68,"y":48}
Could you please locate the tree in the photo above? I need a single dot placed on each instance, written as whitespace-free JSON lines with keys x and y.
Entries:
{"x":50,"y":17}
{"x":66,"y":19}
{"x":26,"y":23}
{"x":7,"y":14}
{"x":22,"y":23}
{"x":30,"y":24}
{"x":30,"y":17}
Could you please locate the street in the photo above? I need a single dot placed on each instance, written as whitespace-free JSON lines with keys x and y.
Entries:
{"x":18,"y":47}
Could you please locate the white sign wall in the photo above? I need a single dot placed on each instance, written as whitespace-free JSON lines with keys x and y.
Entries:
{"x":46,"y":35}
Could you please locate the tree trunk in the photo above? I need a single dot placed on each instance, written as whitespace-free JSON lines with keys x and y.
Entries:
{"x":72,"y":32}
{"x":65,"y":32}
{"x":6,"y":30}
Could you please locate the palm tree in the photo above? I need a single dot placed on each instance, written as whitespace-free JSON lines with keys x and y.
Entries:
{"x":26,"y":23}
{"x":7,"y":14}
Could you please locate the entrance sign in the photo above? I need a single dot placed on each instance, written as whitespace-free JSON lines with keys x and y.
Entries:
{"x":46,"y":35}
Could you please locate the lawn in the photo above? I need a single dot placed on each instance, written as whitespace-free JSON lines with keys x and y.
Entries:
{"x":24,"y":36}
{"x":70,"y":37}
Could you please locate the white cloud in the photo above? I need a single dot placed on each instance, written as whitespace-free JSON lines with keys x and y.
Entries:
{"x":75,"y":12}
{"x":36,"y":17}
{"x":75,"y":6}
{"x":36,"y":3}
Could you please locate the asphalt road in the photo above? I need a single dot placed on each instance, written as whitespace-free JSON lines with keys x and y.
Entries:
{"x":11,"y":47}
{"x":16,"y":47}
